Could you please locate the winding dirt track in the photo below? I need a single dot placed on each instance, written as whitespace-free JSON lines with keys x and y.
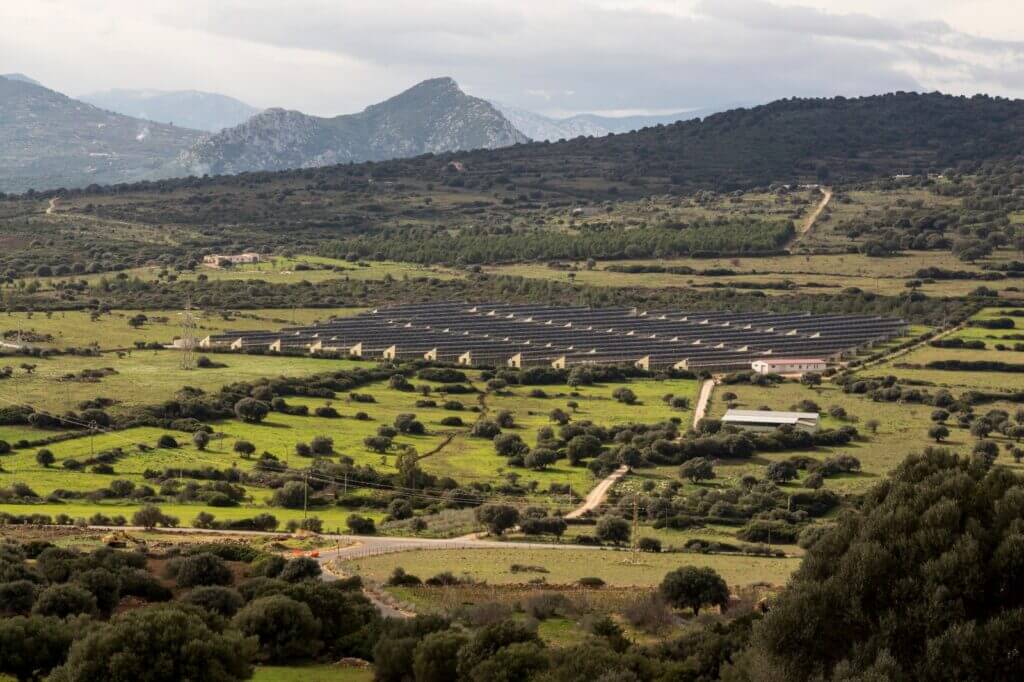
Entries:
{"x":813,"y":218}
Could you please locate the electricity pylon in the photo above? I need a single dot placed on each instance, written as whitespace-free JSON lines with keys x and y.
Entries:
{"x":188,"y":337}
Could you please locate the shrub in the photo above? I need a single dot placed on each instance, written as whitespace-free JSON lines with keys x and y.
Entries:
{"x":17,"y":596}
{"x":269,"y":566}
{"x":64,"y":600}
{"x":649,"y":544}
{"x":497,"y":517}
{"x":142,"y":584}
{"x":322,"y":445}
{"x":300,"y":568}
{"x":285,"y":628}
{"x":399,"y":578}
{"x":613,"y":529}
{"x":201,"y":569}
{"x":435,"y":658}
{"x":103,"y":585}
{"x":223,"y":601}
{"x":484,"y":428}
{"x":160,"y":643}
{"x":590,"y":581}
{"x":548,"y":605}
{"x":361,"y":525}
{"x":251,"y":411}
{"x":167,"y":441}
{"x":649,"y":613}
{"x":45,"y":458}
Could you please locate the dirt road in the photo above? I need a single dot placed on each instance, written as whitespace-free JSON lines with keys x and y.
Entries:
{"x":703,"y":398}
{"x":595,"y":498}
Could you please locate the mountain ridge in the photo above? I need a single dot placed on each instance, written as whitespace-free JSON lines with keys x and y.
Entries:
{"x":431,"y":117}
{"x":207,"y":111}
{"x":49,"y":140}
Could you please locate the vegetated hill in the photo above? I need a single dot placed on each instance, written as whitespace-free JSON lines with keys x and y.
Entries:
{"x":539,"y":127}
{"x":48,"y":140}
{"x":433,"y":116}
{"x":208,"y":111}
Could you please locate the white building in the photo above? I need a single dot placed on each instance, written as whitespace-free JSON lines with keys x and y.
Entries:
{"x":769,"y":420}
{"x":218,"y":260}
{"x":788,"y":365}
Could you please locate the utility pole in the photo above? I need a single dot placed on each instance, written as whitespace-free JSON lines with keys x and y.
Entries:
{"x":188,"y":337}
{"x":305,"y":495}
{"x":92,"y":434}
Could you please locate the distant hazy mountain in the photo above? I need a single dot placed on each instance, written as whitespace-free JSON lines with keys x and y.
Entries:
{"x":540,"y":127}
{"x":48,"y":140}
{"x":434,"y":116}
{"x":20,"y":77}
{"x":187,"y":108}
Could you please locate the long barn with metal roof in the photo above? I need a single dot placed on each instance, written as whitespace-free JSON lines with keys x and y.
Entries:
{"x":530,"y":335}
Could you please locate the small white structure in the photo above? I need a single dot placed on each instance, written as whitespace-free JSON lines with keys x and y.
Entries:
{"x":769,"y":420}
{"x":218,"y":260}
{"x":788,"y":365}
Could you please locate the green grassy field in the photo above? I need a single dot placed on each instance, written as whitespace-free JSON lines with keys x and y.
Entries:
{"x":275,"y":270}
{"x":812,"y":274}
{"x":463,"y":457}
{"x":566,"y":566}
{"x":147,"y":377}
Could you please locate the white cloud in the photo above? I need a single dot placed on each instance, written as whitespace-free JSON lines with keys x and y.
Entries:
{"x":334,"y":56}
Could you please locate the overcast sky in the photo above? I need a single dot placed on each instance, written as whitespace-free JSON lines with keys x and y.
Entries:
{"x":555,"y":56}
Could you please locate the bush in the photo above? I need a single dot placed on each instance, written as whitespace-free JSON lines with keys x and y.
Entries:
{"x":31,"y":647}
{"x":361,"y":525}
{"x":650,"y":614}
{"x":284,"y":628}
{"x":435,"y":658}
{"x":223,"y":601}
{"x":201,"y":569}
{"x":142,"y":584}
{"x":251,"y":411}
{"x":103,"y":585}
{"x":160,"y":643}
{"x":649,"y":544}
{"x":613,"y":529}
{"x":497,"y":517}
{"x":269,"y":566}
{"x":300,"y":568}
{"x":167,"y":441}
{"x":485,"y":428}
{"x":452,"y":421}
{"x":65,"y":600}
{"x":548,"y":605}
{"x":590,"y":581}
{"x":17,"y":596}
{"x":399,"y":578}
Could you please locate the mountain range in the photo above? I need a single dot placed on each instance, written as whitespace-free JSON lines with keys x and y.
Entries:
{"x":433,"y":116}
{"x":207,"y":111}
{"x":48,"y":140}
{"x":539,"y":127}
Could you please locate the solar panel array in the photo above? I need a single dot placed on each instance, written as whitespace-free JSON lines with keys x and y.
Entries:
{"x":531,"y":335}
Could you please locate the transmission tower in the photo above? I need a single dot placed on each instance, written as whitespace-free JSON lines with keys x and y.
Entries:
{"x":188,"y":337}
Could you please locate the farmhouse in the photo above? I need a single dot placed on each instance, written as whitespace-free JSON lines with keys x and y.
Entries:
{"x":219,"y":260}
{"x":788,"y":365}
{"x":769,"y":420}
